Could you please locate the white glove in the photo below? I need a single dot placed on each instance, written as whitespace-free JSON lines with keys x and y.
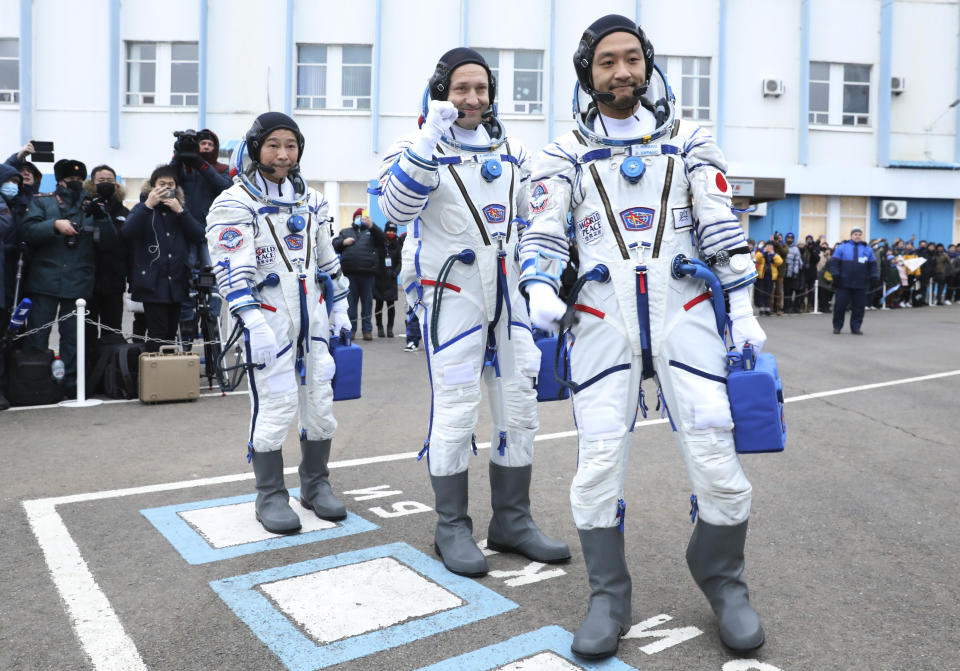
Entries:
{"x":341,"y":321}
{"x":263,"y":342}
{"x":744,"y":327}
{"x":440,"y":116}
{"x":546,"y":309}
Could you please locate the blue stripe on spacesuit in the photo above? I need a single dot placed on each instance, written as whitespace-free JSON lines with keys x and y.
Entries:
{"x":643,"y":317}
{"x":521,"y":325}
{"x":416,"y":159}
{"x":599,"y":376}
{"x":426,"y":339}
{"x":394,"y":196}
{"x":740,"y":282}
{"x":408,"y":181}
{"x":239,"y":293}
{"x":226,"y":202}
{"x":697,"y":371}
{"x":398,"y":215}
{"x":456,"y":338}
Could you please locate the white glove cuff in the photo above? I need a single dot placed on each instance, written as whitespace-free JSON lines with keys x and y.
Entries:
{"x":252,"y":318}
{"x":425,"y":143}
{"x":740,"y":303}
{"x":538,"y":291}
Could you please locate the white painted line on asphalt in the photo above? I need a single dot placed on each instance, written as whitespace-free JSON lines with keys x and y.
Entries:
{"x":114,"y":401}
{"x":100,"y":631}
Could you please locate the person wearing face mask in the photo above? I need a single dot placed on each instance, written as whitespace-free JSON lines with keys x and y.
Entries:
{"x":9,"y":190}
{"x":64,"y":230}
{"x":111,"y":278}
{"x":646,"y":190}
{"x":202,"y":179}
{"x":276,"y":269}
{"x":385,"y":288}
{"x":460,"y":277}
{"x":30,"y":177}
{"x":359,"y":248}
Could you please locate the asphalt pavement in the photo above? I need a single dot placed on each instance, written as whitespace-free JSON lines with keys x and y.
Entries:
{"x":110,"y":563}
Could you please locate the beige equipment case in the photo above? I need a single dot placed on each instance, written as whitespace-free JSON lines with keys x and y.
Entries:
{"x":169,"y":375}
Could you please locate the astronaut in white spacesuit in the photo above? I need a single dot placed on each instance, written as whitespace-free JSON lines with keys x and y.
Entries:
{"x":643,"y":187}
{"x":460,"y":275}
{"x":271,"y":247}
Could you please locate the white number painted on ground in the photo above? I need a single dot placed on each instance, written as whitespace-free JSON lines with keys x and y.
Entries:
{"x":668,"y":637}
{"x":748,"y":665}
{"x":401,"y":508}
{"x":372,"y":493}
{"x":398,"y":509}
{"x":529,"y":574}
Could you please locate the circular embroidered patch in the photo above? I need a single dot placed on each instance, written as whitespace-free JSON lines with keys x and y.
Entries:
{"x":230,"y":239}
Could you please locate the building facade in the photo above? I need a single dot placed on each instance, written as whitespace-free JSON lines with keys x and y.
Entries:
{"x":854,"y":104}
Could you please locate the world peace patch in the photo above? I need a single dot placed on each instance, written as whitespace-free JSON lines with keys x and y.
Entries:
{"x":230,"y":239}
{"x":590,"y":229}
{"x":637,"y":218}
{"x":495,"y":214}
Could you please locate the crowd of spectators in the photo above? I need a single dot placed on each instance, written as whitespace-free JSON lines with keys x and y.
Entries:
{"x":909,"y":274}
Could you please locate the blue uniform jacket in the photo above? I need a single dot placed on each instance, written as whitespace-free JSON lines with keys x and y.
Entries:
{"x":853,"y":265}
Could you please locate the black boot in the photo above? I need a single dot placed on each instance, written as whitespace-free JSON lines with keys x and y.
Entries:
{"x":715,"y":558}
{"x":380,"y":333}
{"x":609,"y":614}
{"x":454,"y":536}
{"x":512,"y":529}
{"x":273,"y":501}
{"x":315,"y":492}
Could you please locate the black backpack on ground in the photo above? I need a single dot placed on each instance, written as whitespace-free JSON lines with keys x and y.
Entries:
{"x":117,"y":369}
{"x":29,"y":377}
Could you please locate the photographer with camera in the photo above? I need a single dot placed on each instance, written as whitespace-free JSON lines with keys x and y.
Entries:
{"x":202,"y":179}
{"x":111,"y":278}
{"x":160,"y":232}
{"x":64,"y":230}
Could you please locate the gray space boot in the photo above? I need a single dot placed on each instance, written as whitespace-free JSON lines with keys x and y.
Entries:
{"x":609,"y":615}
{"x":715,"y":558}
{"x":512,"y":529}
{"x":315,"y":491}
{"x":273,"y":501}
{"x":454,"y":537}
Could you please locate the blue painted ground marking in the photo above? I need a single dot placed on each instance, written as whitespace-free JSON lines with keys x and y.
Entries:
{"x":300,"y":653}
{"x":196,"y":550}
{"x":548,"y":639}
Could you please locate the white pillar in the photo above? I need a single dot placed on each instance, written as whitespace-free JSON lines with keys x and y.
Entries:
{"x":81,"y":401}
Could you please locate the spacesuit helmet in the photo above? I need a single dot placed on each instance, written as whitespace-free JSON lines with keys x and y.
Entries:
{"x":438,"y":88}
{"x":265,"y":124}
{"x":583,"y":56}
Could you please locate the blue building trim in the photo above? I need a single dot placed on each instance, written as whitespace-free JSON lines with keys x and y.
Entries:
{"x":930,"y":219}
{"x":113,"y":105}
{"x":377,"y":49}
{"x":26,"y":70}
{"x":956,"y":135}
{"x":637,"y":13}
{"x":803,"y":127}
{"x":465,"y":23}
{"x":722,"y":74}
{"x":782,"y":215}
{"x":288,"y":61}
{"x":552,"y":67}
{"x":202,"y":65}
{"x":883,"y":87}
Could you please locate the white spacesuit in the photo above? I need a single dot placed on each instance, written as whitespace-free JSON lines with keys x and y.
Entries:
{"x":643,"y":190}
{"x":271,"y":244}
{"x":460,"y":274}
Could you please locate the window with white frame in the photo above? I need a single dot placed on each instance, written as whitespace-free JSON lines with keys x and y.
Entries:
{"x":853,"y":213}
{"x":9,"y":70}
{"x":813,"y":216}
{"x":693,"y":95}
{"x":352,"y":196}
{"x":334,"y":76}
{"x":519,"y":75}
{"x":162,"y":73}
{"x":839,"y":94}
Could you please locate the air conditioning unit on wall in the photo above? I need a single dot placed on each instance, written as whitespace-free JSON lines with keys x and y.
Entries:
{"x":773,"y":87}
{"x":893,"y":209}
{"x":897,"y":85}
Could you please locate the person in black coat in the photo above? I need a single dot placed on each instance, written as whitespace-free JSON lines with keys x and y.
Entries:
{"x":385,"y":286}
{"x":106,"y":304}
{"x":160,"y":232}
{"x":358,"y":247}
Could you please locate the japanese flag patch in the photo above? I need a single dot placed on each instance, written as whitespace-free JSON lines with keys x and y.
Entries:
{"x":717,"y":184}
